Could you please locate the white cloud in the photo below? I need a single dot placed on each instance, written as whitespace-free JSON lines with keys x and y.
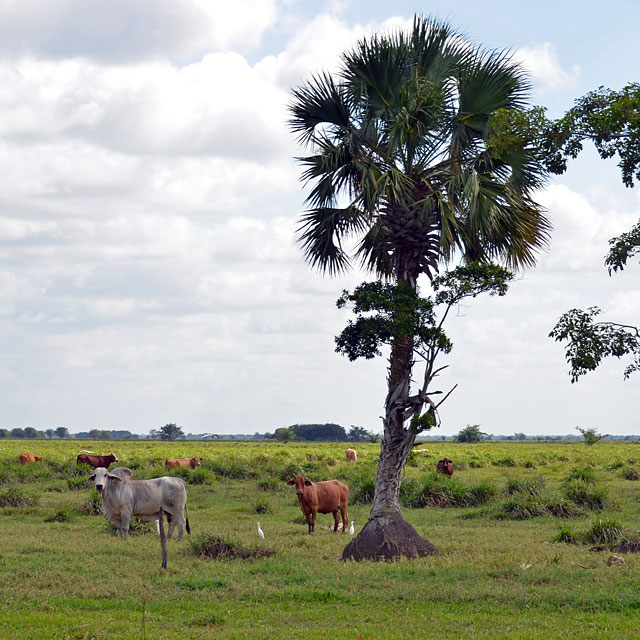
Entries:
{"x":131,"y":30}
{"x":541,"y":61}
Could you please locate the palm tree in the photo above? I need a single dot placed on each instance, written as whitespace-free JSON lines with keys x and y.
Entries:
{"x":404,"y":162}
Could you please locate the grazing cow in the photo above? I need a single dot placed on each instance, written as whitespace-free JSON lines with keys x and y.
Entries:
{"x":121,"y":497}
{"x":28,"y":457}
{"x":445,"y":466}
{"x":96,"y":461}
{"x":351,"y":454}
{"x":330,"y":496}
{"x":174,"y":463}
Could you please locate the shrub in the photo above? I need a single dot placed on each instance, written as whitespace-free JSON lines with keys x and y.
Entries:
{"x":209,"y":545}
{"x":583,"y":474}
{"x":607,"y":532}
{"x":200,"y":476}
{"x":77,"y":482}
{"x":61,"y":515}
{"x":436,"y":490}
{"x":269,"y":484}
{"x":566,"y":535}
{"x":564,"y":509}
{"x":521,"y":507}
{"x":629,"y":473}
{"x":533,"y":486}
{"x":290,"y":471}
{"x":14,"y":496}
{"x":362,"y":491}
{"x":587,"y":495}
{"x":504,"y":462}
{"x":92,"y":506}
{"x":261,"y":505}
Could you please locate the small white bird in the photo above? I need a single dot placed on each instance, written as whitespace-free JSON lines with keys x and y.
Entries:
{"x":260,"y":531}
{"x":351,"y":529}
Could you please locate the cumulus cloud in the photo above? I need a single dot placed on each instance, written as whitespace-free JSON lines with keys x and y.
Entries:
{"x":541,"y":61}
{"x":131,"y":30}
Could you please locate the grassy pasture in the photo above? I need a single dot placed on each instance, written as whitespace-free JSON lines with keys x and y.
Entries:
{"x":500,"y":572}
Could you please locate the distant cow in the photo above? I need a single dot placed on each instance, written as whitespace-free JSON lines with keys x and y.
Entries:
{"x":351,"y":454}
{"x":28,"y":457}
{"x":96,"y":461}
{"x":445,"y":466}
{"x":174,"y":463}
{"x":121,"y":497}
{"x":330,"y":496}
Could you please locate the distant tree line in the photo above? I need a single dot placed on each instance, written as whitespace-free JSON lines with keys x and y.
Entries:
{"x":328,"y":432}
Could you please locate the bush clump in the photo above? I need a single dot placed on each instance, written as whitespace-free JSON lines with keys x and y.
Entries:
{"x":566,"y":535}
{"x":200,"y":476}
{"x":14,"y":496}
{"x":76,"y":483}
{"x":91,"y":507}
{"x":209,"y":545}
{"x":61,"y":515}
{"x":606,"y":532}
{"x":629,"y":473}
{"x":531,"y":486}
{"x":262,"y":505}
{"x":582,"y":474}
{"x":586,"y":494}
{"x":437,"y":491}
{"x":521,"y":506}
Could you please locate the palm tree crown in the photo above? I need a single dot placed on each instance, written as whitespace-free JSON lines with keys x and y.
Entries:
{"x":402,"y":157}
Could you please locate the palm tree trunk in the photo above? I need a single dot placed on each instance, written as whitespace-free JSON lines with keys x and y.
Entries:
{"x":386,"y":535}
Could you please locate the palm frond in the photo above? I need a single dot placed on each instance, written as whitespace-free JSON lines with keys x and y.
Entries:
{"x":321,"y":233}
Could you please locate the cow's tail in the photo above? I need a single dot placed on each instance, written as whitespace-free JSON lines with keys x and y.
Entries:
{"x":186,"y":518}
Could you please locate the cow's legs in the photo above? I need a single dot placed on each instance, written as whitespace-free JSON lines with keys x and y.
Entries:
{"x":335,"y":520}
{"x":172,"y":525}
{"x":309,"y":521}
{"x":125,"y":519}
{"x":345,"y":517}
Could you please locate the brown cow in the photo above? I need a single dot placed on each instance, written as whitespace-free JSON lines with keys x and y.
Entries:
{"x":330,"y":496}
{"x":28,"y":457}
{"x":174,"y":463}
{"x":351,"y":454}
{"x":445,"y":466}
{"x":96,"y":461}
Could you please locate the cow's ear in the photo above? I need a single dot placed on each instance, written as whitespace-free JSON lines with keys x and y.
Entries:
{"x":291,"y":482}
{"x":308,"y":483}
{"x":91,"y":478}
{"x":114,"y":478}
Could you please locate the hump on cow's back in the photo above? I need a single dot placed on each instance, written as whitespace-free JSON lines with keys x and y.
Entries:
{"x":122,"y":472}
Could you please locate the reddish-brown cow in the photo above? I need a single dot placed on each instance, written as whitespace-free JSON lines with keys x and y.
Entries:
{"x":445,"y":466}
{"x":330,"y":496}
{"x":351,"y":454}
{"x":96,"y":461}
{"x":28,"y":457}
{"x":174,"y":463}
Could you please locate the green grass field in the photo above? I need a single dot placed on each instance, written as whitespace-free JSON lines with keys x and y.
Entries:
{"x":500,"y":572}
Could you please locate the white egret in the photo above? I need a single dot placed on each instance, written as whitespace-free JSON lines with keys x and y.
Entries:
{"x":351,"y":529}
{"x":260,"y":531}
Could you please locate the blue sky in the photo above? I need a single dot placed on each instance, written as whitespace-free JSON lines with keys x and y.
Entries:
{"x":149,"y":270}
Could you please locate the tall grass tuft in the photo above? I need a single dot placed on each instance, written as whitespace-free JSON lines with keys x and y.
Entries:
{"x":582,"y":474}
{"x":60,"y":515}
{"x":606,"y":532}
{"x":586,"y":494}
{"x":209,"y":545}
{"x":532,"y":486}
{"x":14,"y":496}
{"x":437,"y":491}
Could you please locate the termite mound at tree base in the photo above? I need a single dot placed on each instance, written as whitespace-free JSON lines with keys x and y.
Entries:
{"x":390,"y":540}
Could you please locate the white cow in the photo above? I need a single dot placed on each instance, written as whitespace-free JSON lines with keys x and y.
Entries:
{"x":121,"y":497}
